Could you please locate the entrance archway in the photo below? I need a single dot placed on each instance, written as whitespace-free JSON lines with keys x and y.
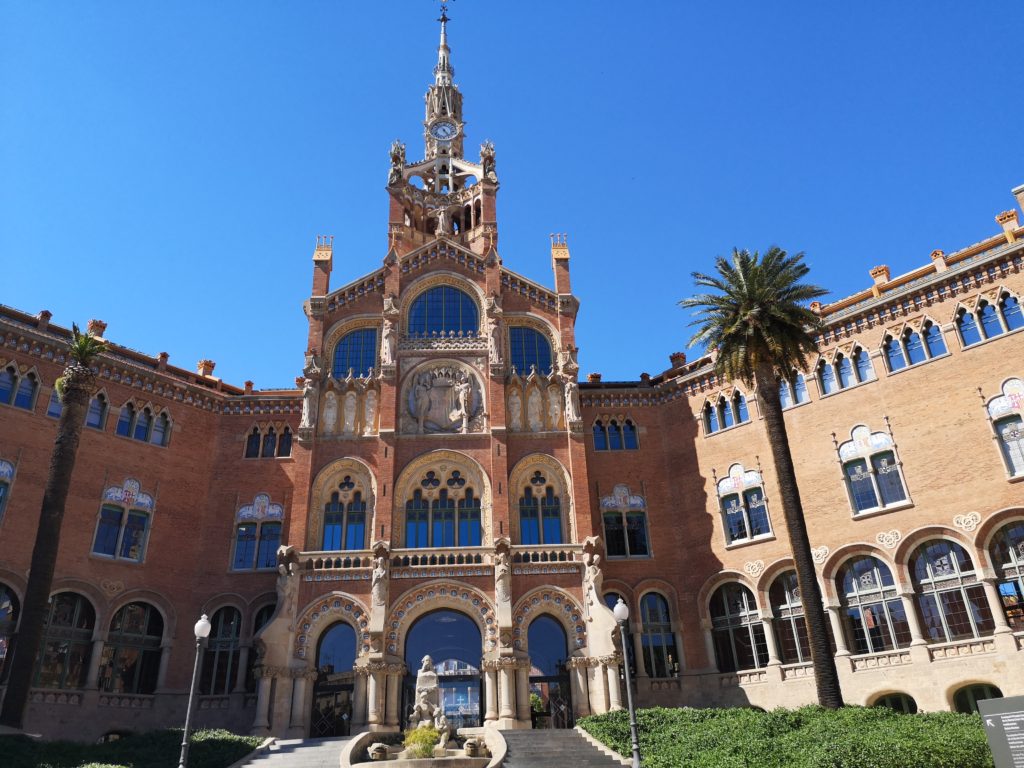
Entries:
{"x":453,"y":642}
{"x":550,"y":692}
{"x":332,"y":692}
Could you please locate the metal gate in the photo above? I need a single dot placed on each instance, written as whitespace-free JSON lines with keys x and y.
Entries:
{"x":332,"y":705}
{"x":551,"y":700}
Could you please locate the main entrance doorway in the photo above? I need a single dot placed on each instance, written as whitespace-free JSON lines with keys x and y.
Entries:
{"x":452,"y":640}
{"x":332,"y":692}
{"x":550,"y":693}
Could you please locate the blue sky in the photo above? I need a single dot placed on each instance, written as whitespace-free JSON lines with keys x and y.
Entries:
{"x":167,"y":166}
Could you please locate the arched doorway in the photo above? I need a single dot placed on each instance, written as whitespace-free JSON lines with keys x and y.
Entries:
{"x":452,"y":640}
{"x":550,"y":694}
{"x":332,"y":692}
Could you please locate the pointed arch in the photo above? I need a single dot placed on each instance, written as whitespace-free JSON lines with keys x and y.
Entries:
{"x":434,"y":595}
{"x":344,"y":478}
{"x":554,"y":602}
{"x":455,"y":470}
{"x":323,"y":611}
{"x":540,"y":472}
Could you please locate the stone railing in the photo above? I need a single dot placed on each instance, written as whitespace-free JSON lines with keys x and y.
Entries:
{"x":797,"y":671}
{"x":663,"y":683}
{"x":126,"y":700}
{"x":48,"y":696}
{"x":457,"y":342}
{"x":453,"y":561}
{"x":746,"y":677}
{"x":336,"y":561}
{"x":961,"y":648}
{"x":550,"y":559}
{"x":215,"y":702}
{"x":880,"y":660}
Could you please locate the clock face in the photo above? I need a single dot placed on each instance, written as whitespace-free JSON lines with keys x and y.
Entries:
{"x":443,"y":130}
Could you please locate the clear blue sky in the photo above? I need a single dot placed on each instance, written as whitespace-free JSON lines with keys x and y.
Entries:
{"x":166,"y":166}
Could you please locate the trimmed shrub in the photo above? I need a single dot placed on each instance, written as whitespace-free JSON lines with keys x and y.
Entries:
{"x":810,"y":737}
{"x":422,"y":740}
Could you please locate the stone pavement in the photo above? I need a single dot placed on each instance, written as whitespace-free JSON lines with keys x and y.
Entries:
{"x":301,"y":753}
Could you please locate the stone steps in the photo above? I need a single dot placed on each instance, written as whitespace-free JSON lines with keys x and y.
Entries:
{"x":300,"y":753}
{"x":554,"y":748}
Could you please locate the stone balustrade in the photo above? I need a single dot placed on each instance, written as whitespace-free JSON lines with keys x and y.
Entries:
{"x":126,"y":700}
{"x":961,"y":648}
{"x":880,"y":660}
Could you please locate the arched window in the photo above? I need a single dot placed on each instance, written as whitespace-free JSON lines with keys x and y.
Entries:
{"x":625,"y":523}
{"x":55,"y":407}
{"x":933,"y":341}
{"x":345,"y":521}
{"x":67,"y":642}
{"x":97,"y":414}
{"x":269,"y":442}
{"x":529,"y":348}
{"x":862,"y":365}
{"x":252,"y":444}
{"x":614,"y":436}
{"x":1007,"y":552}
{"x":126,"y":420}
{"x":1009,"y":308}
{"x":257,"y":534}
{"x":744,"y":509}
{"x":443,"y":309}
{"x":915,"y":347}
{"x":1011,"y":440}
{"x":26,"y":395}
{"x":952,"y":603}
{"x":657,"y":638}
{"x":9,"y":610}
{"x":121,"y":533}
{"x":737,"y":629}
{"x":899,"y":702}
{"x":793,"y":391}
{"x":131,"y":655}
{"x":629,"y":436}
{"x":600,"y":436}
{"x":540,"y":513}
{"x":844,"y":366}
{"x":710,"y":419}
{"x":991,"y":323}
{"x":726,"y":417}
{"x":8,"y":381}
{"x":790,"y":627}
{"x":967,"y":327}
{"x":739,"y":407}
{"x":966,"y":699}
{"x":827,"y":378}
{"x":894,"y":354}
{"x":161,"y":430}
{"x":611,"y":435}
{"x":357,"y":351}
{"x":443,"y":513}
{"x":875,"y":619}
{"x":143,"y":424}
{"x":785,"y":393}
{"x":220,"y":660}
{"x":284,"y":445}
{"x":874,"y":479}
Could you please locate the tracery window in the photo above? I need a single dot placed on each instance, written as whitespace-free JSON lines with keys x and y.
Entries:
{"x":267,"y":443}
{"x":657,"y":638}
{"x":9,"y":611}
{"x":912,"y":347}
{"x":131,"y":655}
{"x":793,"y":391}
{"x":25,"y":395}
{"x":989,"y":320}
{"x":950,"y":597}
{"x":8,"y":384}
{"x":1005,"y":412}
{"x":790,"y":627}
{"x":743,"y":505}
{"x":625,"y":523}
{"x":443,"y":309}
{"x":726,"y":413}
{"x":737,"y":629}
{"x":345,"y":518}
{"x":1007,"y":553}
{"x":844,"y":372}
{"x":63,"y":660}
{"x":540,"y":512}
{"x":141,"y":425}
{"x":874,"y":478}
{"x":529,"y":348}
{"x":355,"y":352}
{"x":615,"y":434}
{"x":257,"y":534}
{"x":875,"y":618}
{"x":443,"y":512}
{"x":220,"y":659}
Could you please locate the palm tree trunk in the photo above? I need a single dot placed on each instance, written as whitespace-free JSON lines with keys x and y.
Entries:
{"x":826,"y":678}
{"x":44,"y":555}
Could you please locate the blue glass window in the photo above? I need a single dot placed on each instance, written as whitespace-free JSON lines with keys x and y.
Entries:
{"x":785,"y":396}
{"x":846,"y":377}
{"x":614,"y":436}
{"x":529,"y":348}
{"x":141,"y":431}
{"x":245,"y":546}
{"x":636,"y":533}
{"x":862,"y":489}
{"x":444,"y":520}
{"x":7,"y":379}
{"x":757,"y":512}
{"x":26,"y":394}
{"x":710,"y":419}
{"x":551,"y":514}
{"x":160,"y":433}
{"x":862,"y":362}
{"x":284,"y":445}
{"x":417,"y":521}
{"x":989,"y":320}
{"x":600,"y":437}
{"x":933,"y":339}
{"x":97,"y":412}
{"x":269,"y":442}
{"x":356,"y":350}
{"x":529,"y":518}
{"x":252,"y":443}
{"x":740,"y":404}
{"x":968,"y":328}
{"x":334,"y":519}
{"x":270,"y":540}
{"x":133,"y":538}
{"x":800,"y":388}
{"x":629,"y":435}
{"x":827,"y":376}
{"x":4,"y":489}
{"x":443,"y":309}
{"x":107,"y":531}
{"x":915,"y":347}
{"x":355,"y":523}
{"x":890,"y":486}
{"x":725,"y":414}
{"x":1012,"y":313}
{"x":470,"y":533}
{"x":1011,"y":439}
{"x":54,"y":409}
{"x":614,"y":535}
{"x":735,"y":518}
{"x":894,"y":354}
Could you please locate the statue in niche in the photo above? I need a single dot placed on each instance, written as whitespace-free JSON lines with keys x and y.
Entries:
{"x":390,"y":308}
{"x":330,"y":413}
{"x":370,"y":412}
{"x":569,"y":364}
{"x":494,"y":336}
{"x":349,"y":426}
{"x":554,"y":407}
{"x":444,"y":225}
{"x":502,"y":575}
{"x":534,"y":415}
{"x":463,"y":393}
{"x":572,"y":401}
{"x":387,"y":343}
{"x":487,"y":160}
{"x":379,"y":581}
{"x":421,"y":401}
{"x":309,"y":398}
{"x":515,"y":411}
{"x":592,"y":581}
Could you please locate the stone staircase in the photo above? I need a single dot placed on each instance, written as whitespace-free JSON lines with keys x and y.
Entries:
{"x":300,"y":753}
{"x":554,"y":748}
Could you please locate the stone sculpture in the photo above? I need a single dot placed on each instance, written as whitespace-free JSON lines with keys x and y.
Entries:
{"x":330,"y":413}
{"x":427,"y":696}
{"x":572,"y":401}
{"x":592,"y":581}
{"x":387,"y":343}
{"x":515,"y":411}
{"x":443,"y":728}
{"x":534,"y":417}
{"x":370,"y":412}
{"x":502,"y":576}
{"x":379,"y":581}
{"x":554,"y":407}
{"x":349,"y":426}
{"x":309,"y":398}
{"x":463,"y":394}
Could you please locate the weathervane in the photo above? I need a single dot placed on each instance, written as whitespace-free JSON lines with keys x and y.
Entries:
{"x":444,"y":11}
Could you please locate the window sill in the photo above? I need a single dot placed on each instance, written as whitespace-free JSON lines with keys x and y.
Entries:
{"x":114,"y":559}
{"x":749,"y":542}
{"x":727,"y":429}
{"x":917,"y":365}
{"x":139,"y":442}
{"x":846,"y":389}
{"x":882,"y":510}
{"x":1015,"y":479}
{"x":808,"y":401}
{"x":975,"y":345}
{"x":630,"y":557}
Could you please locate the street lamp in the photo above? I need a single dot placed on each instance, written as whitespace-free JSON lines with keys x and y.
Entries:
{"x":202,"y":631}
{"x":621,"y":613}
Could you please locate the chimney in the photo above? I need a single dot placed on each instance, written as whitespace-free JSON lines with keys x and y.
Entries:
{"x":205,"y":367}
{"x":161,"y":361}
{"x":880,"y":274}
{"x":594,"y":378}
{"x":1008,"y":221}
{"x":323,"y":259}
{"x":560,"y":262}
{"x":939,"y":258}
{"x":96,"y":328}
{"x":645,"y":379}
{"x":816,"y":307}
{"x":677,"y":359}
{"x":43,"y":319}
{"x":248,"y":387}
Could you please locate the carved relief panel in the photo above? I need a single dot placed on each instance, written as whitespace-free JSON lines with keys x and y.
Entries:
{"x":443,"y":396}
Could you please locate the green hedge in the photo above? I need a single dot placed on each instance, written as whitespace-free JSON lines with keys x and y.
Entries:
{"x":811,"y":737}
{"x":159,"y":749}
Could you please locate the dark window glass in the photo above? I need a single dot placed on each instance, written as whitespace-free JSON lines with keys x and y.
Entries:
{"x":658,"y":639}
{"x":269,"y":442}
{"x":710,"y":419}
{"x":63,"y":660}
{"x":862,"y":489}
{"x":355,"y":523}
{"x":737,"y":630}
{"x":875,"y":617}
{"x":7,"y":380}
{"x":529,"y":518}
{"x":245,"y":546}
{"x":1012,"y":313}
{"x":142,"y":424}
{"x":160,"y":430}
{"x":600,"y":437}
{"x":551,"y":514}
{"x":862,"y":361}
{"x":131,"y":655}
{"x":933,"y":339}
{"x":725,"y":414}
{"x":417,"y":518}
{"x":529,"y":348}
{"x":220,"y":660}
{"x":54,"y":409}
{"x":735,"y":518}
{"x":1007,"y":553}
{"x":757,"y":511}
{"x":989,"y":320}
{"x":252,"y":444}
{"x":107,"y":531}
{"x":26,"y":394}
{"x":97,"y":412}
{"x":890,"y":486}
{"x":790,"y":628}
{"x":284,"y":445}
{"x":966,"y":699}
{"x":952,"y":604}
{"x":629,"y":437}
{"x":443,"y":309}
{"x":915,"y":348}
{"x":614,"y":534}
{"x":4,"y":492}
{"x":334,"y":520}
{"x":356,"y":351}
{"x":270,"y":540}
{"x":968,"y":327}
{"x":846,"y":377}
{"x":636,"y":533}
{"x":740,"y":403}
{"x":133,"y":538}
{"x":894,"y":354}
{"x":614,"y":436}
{"x":900,"y":702}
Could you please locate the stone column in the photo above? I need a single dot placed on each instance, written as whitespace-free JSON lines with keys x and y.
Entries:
{"x":709,"y":644}
{"x":771,"y":642}
{"x":837,"y":630}
{"x":391,"y":700}
{"x":297,"y":720}
{"x":93,"y":676}
{"x":638,"y":654}
{"x":491,"y":693}
{"x":597,"y":682}
{"x":359,"y":697}
{"x":614,"y":690}
{"x":523,"y":691}
{"x":913,"y":622}
{"x":262,"y":720}
{"x":507,"y":693}
{"x":165,"y":659}
{"x":995,"y":603}
{"x":243,"y":667}
{"x":374,"y":685}
{"x":580,"y":690}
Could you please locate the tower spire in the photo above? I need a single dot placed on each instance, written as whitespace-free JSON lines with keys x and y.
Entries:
{"x":443,"y":72}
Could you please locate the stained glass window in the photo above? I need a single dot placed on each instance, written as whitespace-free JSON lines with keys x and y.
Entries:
{"x":529,"y":348}
{"x":357,"y":351}
{"x":443,"y":309}
{"x":875,"y":618}
{"x":131,"y":655}
{"x":63,"y":660}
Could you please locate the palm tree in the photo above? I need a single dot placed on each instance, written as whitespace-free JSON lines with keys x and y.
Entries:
{"x":75,"y":388}
{"x":758,"y":322}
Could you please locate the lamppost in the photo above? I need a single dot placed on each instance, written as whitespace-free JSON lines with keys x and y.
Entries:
{"x":202,"y":631}
{"x":621,"y":613}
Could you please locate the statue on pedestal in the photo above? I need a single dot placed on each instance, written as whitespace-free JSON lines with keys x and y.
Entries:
{"x":427,"y":696}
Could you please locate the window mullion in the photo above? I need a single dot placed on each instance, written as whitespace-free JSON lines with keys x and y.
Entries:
{"x":970,"y":610}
